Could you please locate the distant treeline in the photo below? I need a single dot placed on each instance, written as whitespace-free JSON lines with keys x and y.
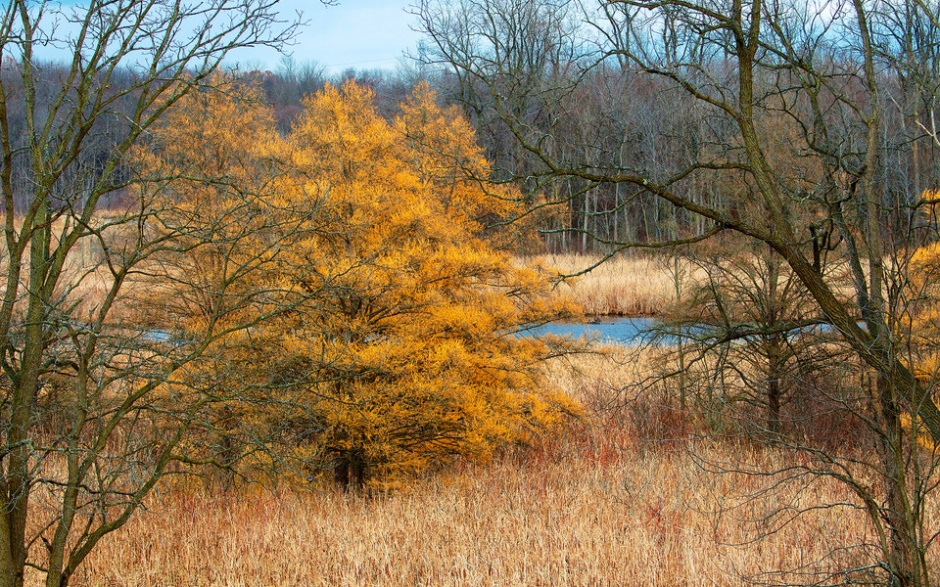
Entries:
{"x":613,"y":115}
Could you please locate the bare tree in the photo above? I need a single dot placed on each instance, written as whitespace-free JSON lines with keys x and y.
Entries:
{"x":95,"y":405}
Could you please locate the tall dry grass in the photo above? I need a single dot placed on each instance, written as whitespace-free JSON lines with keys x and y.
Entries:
{"x":621,"y":286}
{"x":627,"y":497}
{"x":596,"y":507}
{"x":564,"y":518}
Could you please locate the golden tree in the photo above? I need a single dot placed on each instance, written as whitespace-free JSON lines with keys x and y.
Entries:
{"x":389,"y":340}
{"x":409,"y":347}
{"x":217,"y":170}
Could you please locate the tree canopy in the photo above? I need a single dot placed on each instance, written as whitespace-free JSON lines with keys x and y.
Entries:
{"x":402,"y":346}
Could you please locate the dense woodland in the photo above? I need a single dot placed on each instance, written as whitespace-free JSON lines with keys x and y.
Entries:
{"x":617,"y":116}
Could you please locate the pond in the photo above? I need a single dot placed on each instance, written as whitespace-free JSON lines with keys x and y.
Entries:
{"x":638,"y":331}
{"x":622,"y":331}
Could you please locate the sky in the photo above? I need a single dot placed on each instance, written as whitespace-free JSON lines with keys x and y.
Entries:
{"x":360,"y":34}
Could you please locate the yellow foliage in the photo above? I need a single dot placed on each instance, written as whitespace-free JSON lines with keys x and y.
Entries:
{"x":398,"y":349}
{"x":216,"y":214}
{"x":446,"y":157}
{"x":415,"y":357}
{"x":921,"y":435}
{"x":924,"y":289}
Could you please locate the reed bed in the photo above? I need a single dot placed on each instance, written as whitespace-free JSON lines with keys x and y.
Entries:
{"x":621,"y":286}
{"x":562,"y":518}
{"x":595,"y":507}
{"x":627,"y":496}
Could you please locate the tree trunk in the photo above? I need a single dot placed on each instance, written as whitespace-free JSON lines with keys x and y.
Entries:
{"x":905,"y":560}
{"x":10,"y":574}
{"x":349,"y":471}
{"x":774,"y":390}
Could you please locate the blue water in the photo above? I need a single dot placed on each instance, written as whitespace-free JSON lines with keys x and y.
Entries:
{"x":622,"y":331}
{"x":638,"y":331}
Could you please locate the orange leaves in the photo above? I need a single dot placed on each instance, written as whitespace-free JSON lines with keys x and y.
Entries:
{"x":215,"y":145}
{"x":396,"y":351}
{"x":344,"y":141}
{"x":443,"y":152}
{"x":217,"y":169}
{"x":416,"y":308}
{"x":924,"y":288}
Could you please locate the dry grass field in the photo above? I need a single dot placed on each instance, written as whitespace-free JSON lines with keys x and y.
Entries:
{"x":582,"y":515}
{"x":604,"y":505}
{"x":622,"y":286}
{"x":630,"y":496}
